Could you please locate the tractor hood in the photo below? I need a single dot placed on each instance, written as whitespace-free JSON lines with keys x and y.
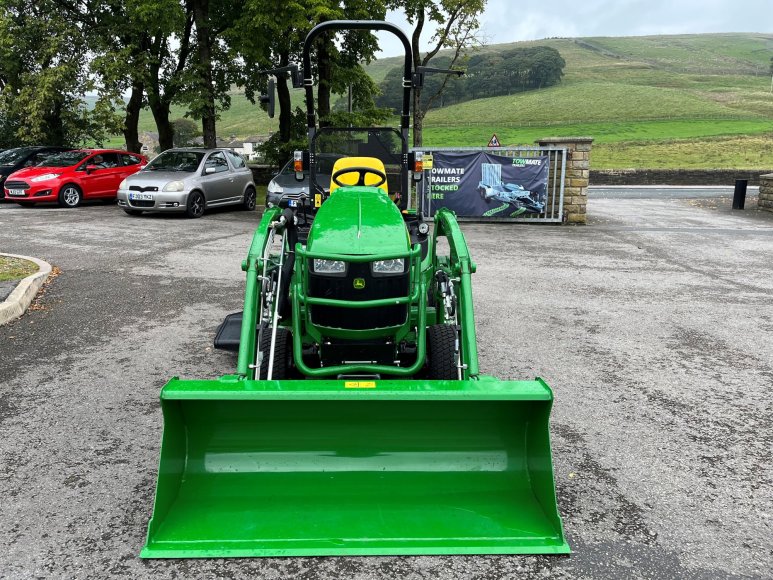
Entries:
{"x":358,"y":220}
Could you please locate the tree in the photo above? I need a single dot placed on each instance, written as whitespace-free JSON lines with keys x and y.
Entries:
{"x":457,"y":28}
{"x":488,"y":74}
{"x":216,"y":67}
{"x":185,"y":132}
{"x":43,"y":79}
{"x":284,"y":27}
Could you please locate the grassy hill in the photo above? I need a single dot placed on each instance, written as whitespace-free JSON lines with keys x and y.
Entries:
{"x":652,"y":101}
{"x":659,"y":101}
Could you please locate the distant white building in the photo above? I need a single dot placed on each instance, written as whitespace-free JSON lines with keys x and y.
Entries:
{"x":247,"y":147}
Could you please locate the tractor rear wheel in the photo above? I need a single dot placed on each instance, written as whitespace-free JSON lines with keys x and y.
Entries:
{"x":441,"y":352}
{"x":283,"y":353}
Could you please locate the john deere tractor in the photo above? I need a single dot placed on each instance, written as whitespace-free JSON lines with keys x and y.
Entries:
{"x":357,"y":421}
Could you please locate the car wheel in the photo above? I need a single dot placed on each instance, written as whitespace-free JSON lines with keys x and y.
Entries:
{"x":132,"y":211}
{"x":249,"y":200}
{"x":70,"y":196}
{"x":195,"y":206}
{"x":26,"y":203}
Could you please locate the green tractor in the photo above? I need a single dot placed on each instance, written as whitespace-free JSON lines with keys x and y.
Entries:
{"x":357,"y":421}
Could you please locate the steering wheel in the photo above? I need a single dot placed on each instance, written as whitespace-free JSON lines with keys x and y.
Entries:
{"x":362,"y":171}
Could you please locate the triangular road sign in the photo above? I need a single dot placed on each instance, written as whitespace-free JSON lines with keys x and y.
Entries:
{"x":494,"y":141}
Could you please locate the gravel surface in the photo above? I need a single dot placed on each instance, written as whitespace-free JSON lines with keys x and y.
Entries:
{"x":6,"y":288}
{"x":653,"y":324}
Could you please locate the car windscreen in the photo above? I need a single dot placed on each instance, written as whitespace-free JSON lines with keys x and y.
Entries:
{"x":186,"y":161}
{"x":14,"y":156}
{"x":67,"y":159}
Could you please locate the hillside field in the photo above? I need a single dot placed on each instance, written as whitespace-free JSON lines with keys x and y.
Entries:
{"x":652,"y":101}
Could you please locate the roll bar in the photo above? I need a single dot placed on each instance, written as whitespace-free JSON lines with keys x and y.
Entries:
{"x":308,"y":81}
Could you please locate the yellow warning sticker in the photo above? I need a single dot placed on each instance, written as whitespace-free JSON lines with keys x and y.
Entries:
{"x":317,"y":200}
{"x":427,"y":161}
{"x":359,"y":384}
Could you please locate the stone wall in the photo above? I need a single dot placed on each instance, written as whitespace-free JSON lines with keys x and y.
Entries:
{"x":577,"y":174}
{"x":673,"y":176}
{"x":765,"y":200}
{"x":262,"y":174}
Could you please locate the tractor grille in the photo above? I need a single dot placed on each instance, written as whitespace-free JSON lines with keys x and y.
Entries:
{"x":16,"y":185}
{"x":342,"y":288}
{"x":142,"y":203}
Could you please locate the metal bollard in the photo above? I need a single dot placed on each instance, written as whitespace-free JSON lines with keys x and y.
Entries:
{"x":739,"y":195}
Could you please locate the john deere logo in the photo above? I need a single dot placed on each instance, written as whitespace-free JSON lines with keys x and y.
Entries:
{"x":359,"y":283}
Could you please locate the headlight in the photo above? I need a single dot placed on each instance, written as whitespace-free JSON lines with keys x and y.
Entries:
{"x":124,"y":184}
{"x":329,"y":267}
{"x":389,"y":266}
{"x":45,"y":177}
{"x":174,"y":186}
{"x":274,"y":187}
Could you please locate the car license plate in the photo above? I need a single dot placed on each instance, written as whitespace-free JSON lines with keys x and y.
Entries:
{"x":292,"y":202}
{"x":141,"y":196}
{"x":15,"y":191}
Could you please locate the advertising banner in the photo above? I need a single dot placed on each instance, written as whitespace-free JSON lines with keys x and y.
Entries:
{"x":479,"y":184}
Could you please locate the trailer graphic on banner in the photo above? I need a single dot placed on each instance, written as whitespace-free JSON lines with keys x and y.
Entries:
{"x":480,"y":184}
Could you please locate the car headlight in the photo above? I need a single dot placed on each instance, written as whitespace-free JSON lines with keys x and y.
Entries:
{"x":44,"y":177}
{"x":396,"y":266}
{"x":124,"y":184}
{"x":329,"y":267}
{"x":274,"y":187}
{"x":174,"y":186}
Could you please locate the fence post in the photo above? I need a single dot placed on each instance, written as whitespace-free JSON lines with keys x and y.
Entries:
{"x":765,"y":200}
{"x":739,"y":195}
{"x":577,"y":175}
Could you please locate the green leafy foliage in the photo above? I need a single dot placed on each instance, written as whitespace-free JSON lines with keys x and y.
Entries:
{"x":43,"y":80}
{"x":488,"y":74}
{"x":185,"y":132}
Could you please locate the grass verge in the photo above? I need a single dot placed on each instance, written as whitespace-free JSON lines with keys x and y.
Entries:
{"x":15,"y":268}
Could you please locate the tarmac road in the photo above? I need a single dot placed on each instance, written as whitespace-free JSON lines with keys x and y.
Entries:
{"x":653,"y":324}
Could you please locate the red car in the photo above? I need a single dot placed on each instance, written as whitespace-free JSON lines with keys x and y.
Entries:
{"x":73,"y":176}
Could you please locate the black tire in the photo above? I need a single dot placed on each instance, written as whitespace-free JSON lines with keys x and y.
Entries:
{"x":196,"y":204}
{"x":134,"y":212}
{"x":283,"y":353}
{"x":70,"y":196}
{"x":249,"y":202}
{"x":441,"y":354}
{"x":26,"y":203}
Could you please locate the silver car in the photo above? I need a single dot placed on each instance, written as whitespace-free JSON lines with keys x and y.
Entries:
{"x":189,"y":180}
{"x":285,"y":190}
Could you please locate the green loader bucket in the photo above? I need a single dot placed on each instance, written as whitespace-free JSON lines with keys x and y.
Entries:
{"x":298,"y":468}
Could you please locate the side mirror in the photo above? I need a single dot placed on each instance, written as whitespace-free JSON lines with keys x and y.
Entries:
{"x":269,"y":99}
{"x":209,"y":170}
{"x":90,"y":168}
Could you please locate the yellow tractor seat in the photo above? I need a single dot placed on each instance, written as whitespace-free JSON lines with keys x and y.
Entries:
{"x":353,"y":178}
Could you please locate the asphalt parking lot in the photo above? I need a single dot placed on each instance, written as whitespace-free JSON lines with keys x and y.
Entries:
{"x":653,"y":325}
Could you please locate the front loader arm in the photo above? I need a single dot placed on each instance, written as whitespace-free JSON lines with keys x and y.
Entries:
{"x":253,"y":265}
{"x":463,"y":267}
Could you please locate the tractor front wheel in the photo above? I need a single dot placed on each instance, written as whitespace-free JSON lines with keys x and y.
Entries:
{"x":283,"y":353}
{"x":441,"y":352}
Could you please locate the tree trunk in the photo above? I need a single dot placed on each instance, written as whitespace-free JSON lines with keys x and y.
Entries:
{"x":418,"y":119}
{"x":160,"y":109}
{"x":131,"y":121}
{"x":53,"y":123}
{"x":209,"y":114}
{"x":283,"y":96}
{"x":418,"y":114}
{"x":325,"y":72}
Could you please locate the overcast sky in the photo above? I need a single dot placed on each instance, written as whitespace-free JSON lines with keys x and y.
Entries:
{"x":512,"y":20}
